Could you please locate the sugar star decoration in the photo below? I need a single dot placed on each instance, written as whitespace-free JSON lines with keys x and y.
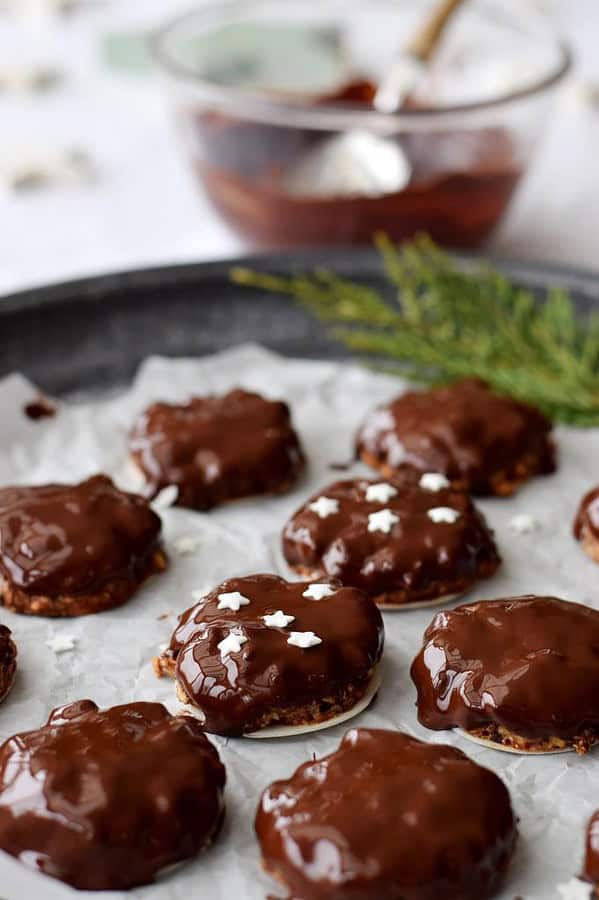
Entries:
{"x":324,"y":507}
{"x":380,"y":493}
{"x":231,"y":644}
{"x":433,"y":481}
{"x":523,"y":524}
{"x":443,"y":514}
{"x":318,"y":591}
{"x":233,"y":600}
{"x":278,"y":619}
{"x":384,"y":520}
{"x":61,"y":643}
{"x":303,"y":639}
{"x":187,"y":544}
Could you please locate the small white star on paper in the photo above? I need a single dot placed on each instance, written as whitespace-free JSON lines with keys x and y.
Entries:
{"x":233,"y":600}
{"x":318,"y":591}
{"x":574,"y":890}
{"x":303,"y":639}
{"x":278,"y":619}
{"x":187,"y":544}
{"x":434,"y":481}
{"x":384,"y":520}
{"x":380,"y":493}
{"x":324,"y":507}
{"x":443,"y":514}
{"x":166,"y":497}
{"x":61,"y":643}
{"x":231,"y":644}
{"x":523,"y":524}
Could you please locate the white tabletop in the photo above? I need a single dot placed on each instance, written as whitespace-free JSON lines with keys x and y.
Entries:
{"x":144,"y":208}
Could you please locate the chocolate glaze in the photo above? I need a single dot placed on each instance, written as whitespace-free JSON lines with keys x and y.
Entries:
{"x":484,"y":441}
{"x":268,"y":674}
{"x":529,"y":664}
{"x":587,"y":517}
{"x":74,"y":539}
{"x":218,"y":448}
{"x":420,"y":557}
{"x":591,"y":861}
{"x":387,"y":817}
{"x":462,"y":182}
{"x":106,"y":800}
{"x":8,"y":661}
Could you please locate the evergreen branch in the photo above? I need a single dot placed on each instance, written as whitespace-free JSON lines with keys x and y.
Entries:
{"x":442,"y":321}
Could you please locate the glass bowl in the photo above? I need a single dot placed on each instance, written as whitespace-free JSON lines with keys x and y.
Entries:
{"x":274,"y":103}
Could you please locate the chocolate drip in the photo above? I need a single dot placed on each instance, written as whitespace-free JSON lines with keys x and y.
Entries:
{"x":482,"y":441}
{"x":527,"y":664}
{"x":418,"y":557}
{"x":269,"y":680}
{"x":8,"y":661}
{"x":216,"y":449}
{"x":74,"y":539}
{"x":389,"y":817}
{"x":106,"y":800}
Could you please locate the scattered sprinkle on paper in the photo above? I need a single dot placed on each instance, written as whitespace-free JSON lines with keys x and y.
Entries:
{"x":443,"y":514}
{"x":383,"y":520}
{"x":380,"y":493}
{"x":574,"y":890}
{"x":187,"y":544}
{"x":167,"y":497}
{"x":278,"y":619}
{"x":28,"y":79}
{"x":524,"y":523}
{"x":232,"y":600}
{"x":61,"y":643}
{"x":324,"y":507}
{"x":25,"y":169}
{"x":318,"y":591}
{"x":433,"y":481}
{"x":233,"y":643}
{"x":303,"y":639}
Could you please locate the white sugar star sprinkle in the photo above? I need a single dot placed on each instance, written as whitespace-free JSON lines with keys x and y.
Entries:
{"x":303,"y":639}
{"x":61,"y":643}
{"x":574,"y":890}
{"x":318,"y":591}
{"x":324,"y":507}
{"x":443,"y":514}
{"x":384,"y":520}
{"x":231,"y":644}
{"x":233,"y":600}
{"x":380,"y":493}
{"x":187,"y":544}
{"x":523,"y":524}
{"x":433,"y":481}
{"x":166,"y":497}
{"x":278,"y":619}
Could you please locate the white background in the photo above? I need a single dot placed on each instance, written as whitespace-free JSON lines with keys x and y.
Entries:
{"x":144,"y":208}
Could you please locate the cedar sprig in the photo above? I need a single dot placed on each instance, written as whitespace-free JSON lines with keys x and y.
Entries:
{"x":441,"y":321}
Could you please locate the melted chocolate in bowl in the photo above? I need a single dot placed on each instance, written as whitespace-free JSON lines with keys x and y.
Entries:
{"x":266,"y":680}
{"x":75,"y":540}
{"x":416,"y":559}
{"x":522,"y":671}
{"x":105,"y":800}
{"x":216,"y":449}
{"x":483,"y":442}
{"x":388,"y":817}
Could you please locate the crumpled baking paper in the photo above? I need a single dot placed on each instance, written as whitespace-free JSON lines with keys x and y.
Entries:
{"x":554,"y":796}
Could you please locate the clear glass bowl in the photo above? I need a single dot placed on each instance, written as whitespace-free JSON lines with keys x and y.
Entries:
{"x":273,"y":100}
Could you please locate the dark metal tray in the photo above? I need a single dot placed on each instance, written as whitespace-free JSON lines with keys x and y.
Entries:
{"x":92,"y":334}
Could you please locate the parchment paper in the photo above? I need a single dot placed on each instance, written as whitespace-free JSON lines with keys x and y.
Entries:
{"x":553,"y":795}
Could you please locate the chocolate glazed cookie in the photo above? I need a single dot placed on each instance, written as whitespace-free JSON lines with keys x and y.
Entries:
{"x":387,"y":817}
{"x":105,"y":800}
{"x":260,"y":651}
{"x":8,"y":661}
{"x":521,"y":673}
{"x":483,"y":442}
{"x":216,"y":449}
{"x":586,"y":524}
{"x":406,"y":542}
{"x":69,"y":550}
